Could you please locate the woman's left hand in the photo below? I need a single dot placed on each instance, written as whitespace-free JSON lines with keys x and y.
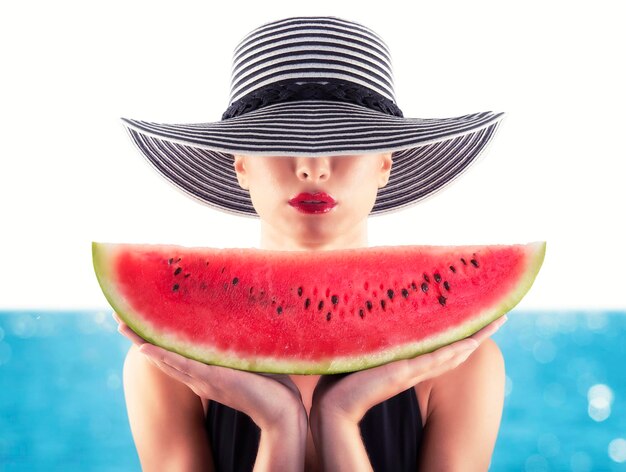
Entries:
{"x":350,"y":396}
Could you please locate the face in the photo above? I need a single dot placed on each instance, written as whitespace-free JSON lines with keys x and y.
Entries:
{"x":352,"y":181}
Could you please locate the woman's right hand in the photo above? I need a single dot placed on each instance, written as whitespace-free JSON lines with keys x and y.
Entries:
{"x":271,"y":400}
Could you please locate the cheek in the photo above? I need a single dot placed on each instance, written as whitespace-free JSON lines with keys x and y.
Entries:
{"x":267,"y":188}
{"x":362,"y":191}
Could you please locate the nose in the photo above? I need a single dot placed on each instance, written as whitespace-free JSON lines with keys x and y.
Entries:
{"x":313,"y":168}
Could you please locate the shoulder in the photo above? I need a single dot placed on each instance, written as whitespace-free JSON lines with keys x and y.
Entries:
{"x":154,"y":385}
{"x":485,"y":361}
{"x":464,"y":406}
{"x":166,"y":417}
{"x":481,"y":374}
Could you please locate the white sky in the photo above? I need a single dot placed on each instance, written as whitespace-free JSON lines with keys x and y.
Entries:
{"x":70,"y":174}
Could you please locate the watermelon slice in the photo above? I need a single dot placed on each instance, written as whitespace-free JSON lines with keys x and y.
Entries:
{"x":311,"y":312}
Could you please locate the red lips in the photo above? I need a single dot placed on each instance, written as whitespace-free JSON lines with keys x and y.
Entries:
{"x":318,"y":202}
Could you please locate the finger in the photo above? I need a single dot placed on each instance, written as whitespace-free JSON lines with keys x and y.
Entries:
{"x":440,"y":360}
{"x":283,"y":379}
{"x":451,"y":363}
{"x":159,"y":355}
{"x":116,"y":318}
{"x":489,"y":330}
{"x":174,"y":372}
{"x":172,"y":359}
{"x":124,"y":329}
{"x":444,"y":354}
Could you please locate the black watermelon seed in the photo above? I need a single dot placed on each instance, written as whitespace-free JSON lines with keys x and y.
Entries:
{"x":424,"y":287}
{"x":453,"y":269}
{"x":328,"y":316}
{"x":405,"y":293}
{"x":207,"y":262}
{"x":175,"y":287}
{"x":299,"y":291}
{"x":437,"y":278}
{"x":171,"y":259}
{"x":223,"y":270}
{"x":426,"y":278}
{"x":178,"y":271}
{"x":413,"y":286}
{"x":390,"y":294}
{"x":382,"y":304}
{"x":187,"y":275}
{"x":474,"y":262}
{"x":251,"y":288}
{"x":334,"y":299}
{"x":307,"y":302}
{"x":178,"y":260}
{"x":320,"y":305}
{"x":361,"y":312}
{"x":446,"y":285}
{"x":279,"y":310}
{"x":463,"y":261}
{"x":442,"y":300}
{"x":369,"y":305}
{"x":235,"y":281}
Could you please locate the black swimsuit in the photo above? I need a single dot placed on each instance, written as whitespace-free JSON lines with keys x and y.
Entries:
{"x":391,"y":432}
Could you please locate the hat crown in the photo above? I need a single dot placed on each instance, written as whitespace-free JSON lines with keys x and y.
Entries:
{"x":317,"y":49}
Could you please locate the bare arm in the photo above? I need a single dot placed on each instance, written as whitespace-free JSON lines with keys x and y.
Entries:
{"x":163,"y":396}
{"x":339,"y":445}
{"x":166,"y":418}
{"x":339,"y":403}
{"x":282,"y":447}
{"x":464,"y":413}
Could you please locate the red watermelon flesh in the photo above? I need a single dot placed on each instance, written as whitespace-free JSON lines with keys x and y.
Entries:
{"x":311,"y":312}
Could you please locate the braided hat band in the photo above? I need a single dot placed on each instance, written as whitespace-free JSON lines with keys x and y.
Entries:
{"x":313,"y":86}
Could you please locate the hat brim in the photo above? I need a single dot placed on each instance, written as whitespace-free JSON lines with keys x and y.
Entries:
{"x":428,"y":154}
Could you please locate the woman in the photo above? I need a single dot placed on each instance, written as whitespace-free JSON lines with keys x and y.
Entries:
{"x":312,"y":111}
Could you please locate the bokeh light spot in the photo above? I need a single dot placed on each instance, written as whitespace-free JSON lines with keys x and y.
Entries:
{"x":554,"y":395}
{"x":508,"y":386}
{"x":600,"y":395}
{"x":617,"y":450}
{"x":23,"y":326}
{"x":544,"y":351}
{"x":536,"y":463}
{"x":580,"y":462}
{"x":548,"y":445}
{"x":113,"y":381}
{"x":596,"y":320}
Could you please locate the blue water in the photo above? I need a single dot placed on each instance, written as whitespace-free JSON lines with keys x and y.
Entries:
{"x":62,"y":401}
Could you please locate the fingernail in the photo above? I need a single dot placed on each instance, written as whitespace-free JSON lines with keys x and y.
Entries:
{"x":471,"y":344}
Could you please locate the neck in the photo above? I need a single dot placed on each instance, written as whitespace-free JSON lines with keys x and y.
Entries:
{"x":274,"y":239}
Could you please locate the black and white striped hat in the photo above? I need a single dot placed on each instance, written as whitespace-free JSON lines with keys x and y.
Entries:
{"x":313,"y":86}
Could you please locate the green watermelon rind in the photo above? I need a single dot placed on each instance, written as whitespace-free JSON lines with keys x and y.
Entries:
{"x":102,"y":256}
{"x":100,"y":251}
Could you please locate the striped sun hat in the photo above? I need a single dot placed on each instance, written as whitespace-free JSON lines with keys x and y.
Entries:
{"x":313,"y":86}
